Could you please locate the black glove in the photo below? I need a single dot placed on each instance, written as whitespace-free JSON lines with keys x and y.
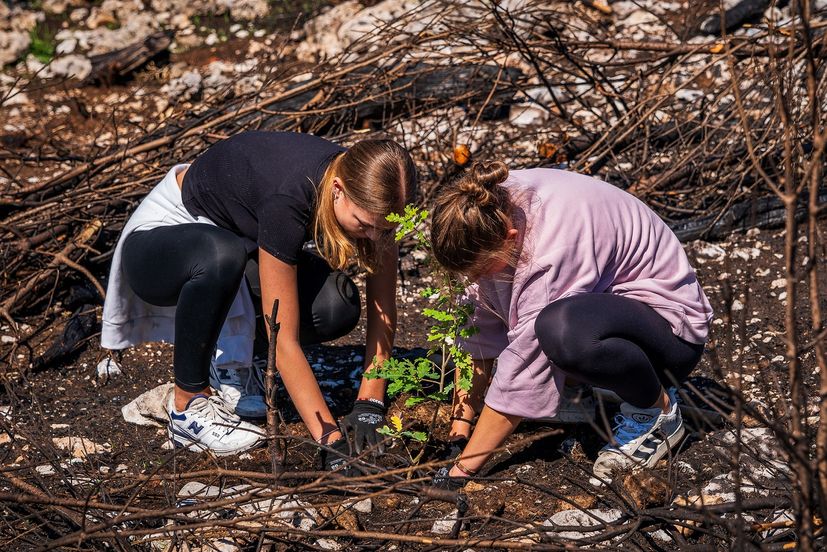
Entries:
{"x":444,"y":481}
{"x":337,"y":458}
{"x":361,"y":424}
{"x":454,"y":448}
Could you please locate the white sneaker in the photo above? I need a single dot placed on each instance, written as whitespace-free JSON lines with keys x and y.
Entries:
{"x":241,"y":388}
{"x":207,"y":425}
{"x":641,"y":438}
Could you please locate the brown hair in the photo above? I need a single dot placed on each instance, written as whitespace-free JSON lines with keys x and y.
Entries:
{"x":470,"y":220}
{"x":379,"y":177}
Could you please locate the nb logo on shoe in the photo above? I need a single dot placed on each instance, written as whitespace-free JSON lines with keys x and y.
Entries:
{"x":195,"y":427}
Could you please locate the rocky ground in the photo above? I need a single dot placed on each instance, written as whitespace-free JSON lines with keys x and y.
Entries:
{"x":65,"y":427}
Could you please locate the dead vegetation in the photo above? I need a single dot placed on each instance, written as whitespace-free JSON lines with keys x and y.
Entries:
{"x":717,"y":133}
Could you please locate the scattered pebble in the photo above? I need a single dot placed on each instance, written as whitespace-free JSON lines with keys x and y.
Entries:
{"x":108,"y":367}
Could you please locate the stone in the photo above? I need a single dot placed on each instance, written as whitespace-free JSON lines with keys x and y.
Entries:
{"x":150,"y":408}
{"x":45,"y":469}
{"x":708,"y":250}
{"x":527,"y":115}
{"x":184,"y":87}
{"x":445,"y":525}
{"x":322,"y":32}
{"x":13,"y":44}
{"x":66,"y":46}
{"x":108,"y":368}
{"x":586,"y":519}
{"x":364,"y":506}
{"x":80,"y":447}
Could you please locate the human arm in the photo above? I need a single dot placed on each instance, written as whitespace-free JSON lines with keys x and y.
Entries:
{"x":369,"y":410}
{"x":381,"y":322}
{"x":491,"y":431}
{"x":468,"y":403}
{"x":278,"y":281}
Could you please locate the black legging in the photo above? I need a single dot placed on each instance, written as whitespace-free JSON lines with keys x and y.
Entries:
{"x":199,"y":267}
{"x":616,"y":343}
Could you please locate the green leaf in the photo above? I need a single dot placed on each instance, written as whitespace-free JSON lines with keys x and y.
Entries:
{"x":413,"y":401}
{"x":420,"y":436}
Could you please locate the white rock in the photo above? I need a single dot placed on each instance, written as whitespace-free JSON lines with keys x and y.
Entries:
{"x":108,"y":368}
{"x":184,"y":87}
{"x":246,"y":10}
{"x":78,"y":15}
{"x":446,"y":524}
{"x":737,"y":305}
{"x":13,"y":44}
{"x":293,"y":512}
{"x":588,"y":520}
{"x":211,"y":39}
{"x":778,"y":283}
{"x":328,"y":544}
{"x":365,"y":506}
{"x":8,"y":339}
{"x":66,"y":46}
{"x":527,"y":115}
{"x":687,"y":95}
{"x":72,"y":66}
{"x":80,"y":447}
{"x":322,"y":31}
{"x":709,"y":250}
{"x":639,"y":17}
{"x":45,"y":469}
{"x":150,"y":408}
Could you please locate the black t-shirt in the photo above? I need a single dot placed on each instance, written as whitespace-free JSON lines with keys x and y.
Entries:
{"x":262,"y":186}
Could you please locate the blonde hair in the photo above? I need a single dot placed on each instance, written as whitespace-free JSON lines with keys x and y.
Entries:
{"x":379,"y":177}
{"x":470,"y":220}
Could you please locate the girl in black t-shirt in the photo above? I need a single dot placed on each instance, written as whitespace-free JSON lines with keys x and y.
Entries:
{"x":262,"y":194}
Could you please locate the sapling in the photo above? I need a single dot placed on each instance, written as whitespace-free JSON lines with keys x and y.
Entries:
{"x":427,"y":379}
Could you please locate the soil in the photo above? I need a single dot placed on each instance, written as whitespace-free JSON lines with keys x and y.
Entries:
{"x":526,"y":483}
{"x":533,"y":478}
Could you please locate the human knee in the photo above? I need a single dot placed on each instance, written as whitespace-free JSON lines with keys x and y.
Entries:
{"x":336,"y":310}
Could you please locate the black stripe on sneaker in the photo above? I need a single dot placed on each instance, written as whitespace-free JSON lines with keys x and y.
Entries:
{"x":651,"y":443}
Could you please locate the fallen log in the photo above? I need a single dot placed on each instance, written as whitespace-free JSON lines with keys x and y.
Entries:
{"x":119,"y":65}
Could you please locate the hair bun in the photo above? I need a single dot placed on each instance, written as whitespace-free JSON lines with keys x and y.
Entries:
{"x":489,"y":175}
{"x":482,"y":180}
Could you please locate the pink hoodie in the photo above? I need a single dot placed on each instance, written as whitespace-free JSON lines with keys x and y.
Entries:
{"x":583,"y":236}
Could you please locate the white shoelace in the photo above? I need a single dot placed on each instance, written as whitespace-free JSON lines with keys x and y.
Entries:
{"x":215,"y":408}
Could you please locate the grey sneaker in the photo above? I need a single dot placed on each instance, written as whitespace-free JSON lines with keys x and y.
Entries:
{"x":207,"y":425}
{"x":641,"y":438}
{"x":242,"y":388}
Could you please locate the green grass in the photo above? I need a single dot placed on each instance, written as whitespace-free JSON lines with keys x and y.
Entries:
{"x":43,"y":43}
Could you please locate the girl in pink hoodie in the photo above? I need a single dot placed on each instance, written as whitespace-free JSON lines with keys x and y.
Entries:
{"x":572,"y":277}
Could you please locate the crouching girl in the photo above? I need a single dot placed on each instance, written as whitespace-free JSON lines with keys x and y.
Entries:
{"x":572,"y":277}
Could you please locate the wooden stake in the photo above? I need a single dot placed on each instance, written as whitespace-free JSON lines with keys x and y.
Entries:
{"x":277,"y":453}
